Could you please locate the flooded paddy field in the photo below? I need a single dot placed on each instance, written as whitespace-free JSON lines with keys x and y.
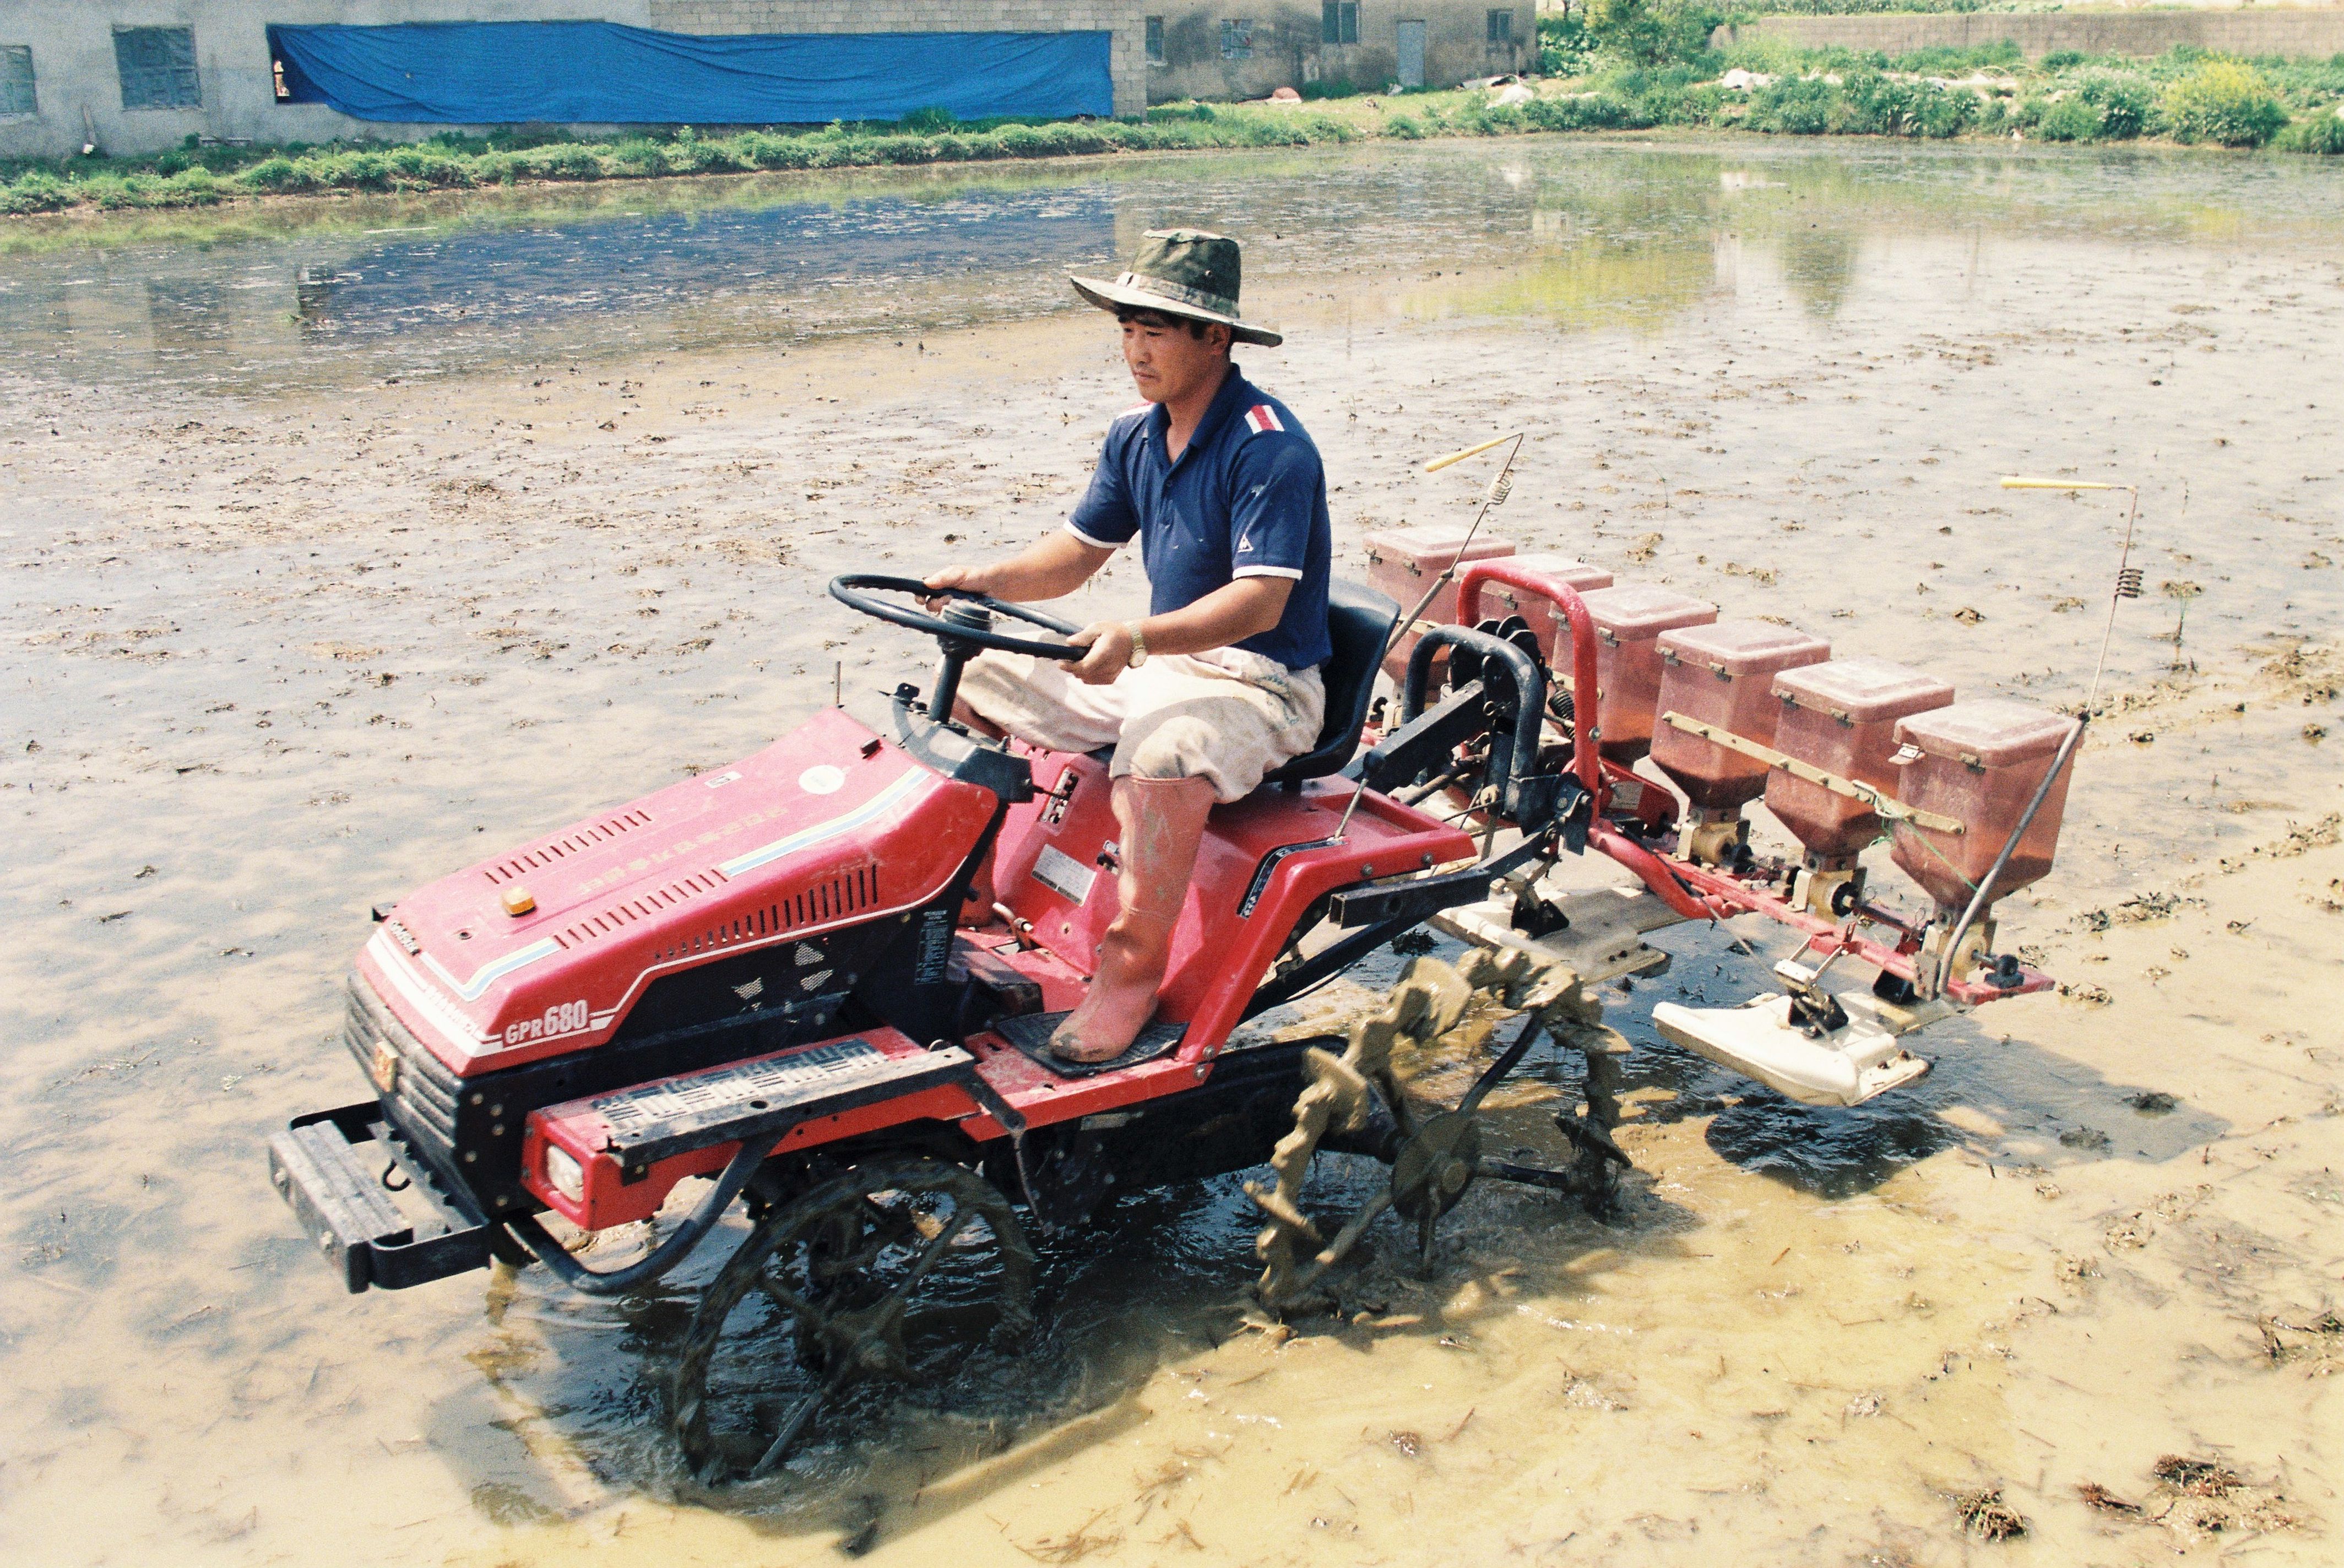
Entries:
{"x":347,"y":542}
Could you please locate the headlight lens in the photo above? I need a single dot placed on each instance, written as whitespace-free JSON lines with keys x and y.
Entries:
{"x":564,"y":1173}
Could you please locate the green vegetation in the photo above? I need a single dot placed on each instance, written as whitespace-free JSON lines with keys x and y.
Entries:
{"x":1654,"y":54}
{"x":1650,"y":32}
{"x":1566,"y":47}
{"x":1743,"y":9}
{"x":2320,"y":134}
{"x":1626,"y":64}
{"x":2227,"y":101}
{"x":202,"y":176}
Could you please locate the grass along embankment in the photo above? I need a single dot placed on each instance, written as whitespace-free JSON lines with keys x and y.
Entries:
{"x":2183,"y":97}
{"x":200,"y":176}
{"x":1600,"y":85}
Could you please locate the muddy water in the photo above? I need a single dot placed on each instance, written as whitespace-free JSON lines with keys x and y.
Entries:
{"x":345,"y":543}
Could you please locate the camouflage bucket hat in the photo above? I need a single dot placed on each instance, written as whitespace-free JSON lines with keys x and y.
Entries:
{"x":1182,"y":272}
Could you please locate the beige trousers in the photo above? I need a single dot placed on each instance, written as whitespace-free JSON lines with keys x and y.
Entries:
{"x":1228,"y":715}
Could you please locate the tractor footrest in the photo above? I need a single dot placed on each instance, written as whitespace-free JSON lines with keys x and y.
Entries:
{"x":763,"y":1097}
{"x":343,"y":1204}
{"x":1031,"y":1035}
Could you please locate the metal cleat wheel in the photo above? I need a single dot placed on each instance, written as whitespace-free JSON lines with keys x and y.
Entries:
{"x":1597,"y":1157}
{"x":1434,"y":1157}
{"x":898,"y":1271}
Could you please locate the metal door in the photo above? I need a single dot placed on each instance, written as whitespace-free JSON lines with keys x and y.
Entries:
{"x":1411,"y":53}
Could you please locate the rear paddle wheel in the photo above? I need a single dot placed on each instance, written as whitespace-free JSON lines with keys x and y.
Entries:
{"x":897,"y":1270}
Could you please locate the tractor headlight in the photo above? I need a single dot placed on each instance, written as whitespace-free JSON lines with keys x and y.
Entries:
{"x":564,"y":1173}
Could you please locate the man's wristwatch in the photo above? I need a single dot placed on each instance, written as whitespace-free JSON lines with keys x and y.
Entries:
{"x":1138,"y":646}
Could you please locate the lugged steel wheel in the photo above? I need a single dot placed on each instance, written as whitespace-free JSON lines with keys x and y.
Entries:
{"x":1435,"y":1157}
{"x":896,"y":1270}
{"x":1598,"y":1159}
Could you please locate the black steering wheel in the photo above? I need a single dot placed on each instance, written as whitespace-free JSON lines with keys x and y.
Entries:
{"x":969,"y":620}
{"x":964,"y":630}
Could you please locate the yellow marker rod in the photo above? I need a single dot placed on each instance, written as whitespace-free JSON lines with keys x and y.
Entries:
{"x":2127,"y":586}
{"x":1436,"y":464}
{"x":2020,"y":481}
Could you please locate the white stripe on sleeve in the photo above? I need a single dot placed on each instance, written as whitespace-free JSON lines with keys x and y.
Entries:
{"x":1100,"y":544}
{"x":1293,"y":571}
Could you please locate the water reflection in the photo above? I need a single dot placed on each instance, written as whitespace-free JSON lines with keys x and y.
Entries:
{"x":721,"y":261}
{"x":1582,"y":236}
{"x":1601,"y":250}
{"x":1819,"y":266}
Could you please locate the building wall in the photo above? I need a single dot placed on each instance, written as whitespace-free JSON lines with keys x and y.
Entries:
{"x":2314,"y":34}
{"x":79,"y":95}
{"x":1289,"y":50}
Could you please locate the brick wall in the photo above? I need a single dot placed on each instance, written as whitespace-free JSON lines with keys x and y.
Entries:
{"x":2308,"y":33}
{"x":1121,"y":17}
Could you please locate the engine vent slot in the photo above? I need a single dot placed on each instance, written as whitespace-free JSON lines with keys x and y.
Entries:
{"x":627,"y":911}
{"x":848,"y":893}
{"x":556,"y":849}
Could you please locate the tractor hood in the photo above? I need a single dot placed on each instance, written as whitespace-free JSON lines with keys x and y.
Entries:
{"x":829,"y":826}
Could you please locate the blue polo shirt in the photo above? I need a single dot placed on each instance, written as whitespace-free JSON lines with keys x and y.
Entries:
{"x":1246,"y":498}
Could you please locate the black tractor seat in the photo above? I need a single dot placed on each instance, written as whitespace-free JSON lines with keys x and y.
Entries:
{"x":1358,"y":623}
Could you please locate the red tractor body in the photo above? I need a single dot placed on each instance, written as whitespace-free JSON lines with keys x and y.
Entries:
{"x":824,"y":829}
{"x":749,"y":907}
{"x":771,"y":976}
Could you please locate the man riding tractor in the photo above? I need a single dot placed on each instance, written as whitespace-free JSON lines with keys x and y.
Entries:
{"x":1220,"y":683}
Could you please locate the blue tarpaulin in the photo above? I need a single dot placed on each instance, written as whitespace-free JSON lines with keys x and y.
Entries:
{"x":518,"y":73}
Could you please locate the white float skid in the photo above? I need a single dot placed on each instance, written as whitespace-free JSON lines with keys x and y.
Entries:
{"x":1762,"y":1039}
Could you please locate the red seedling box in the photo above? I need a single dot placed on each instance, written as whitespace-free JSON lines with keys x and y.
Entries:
{"x":1841,"y":716}
{"x":1979,"y":762}
{"x":1403,"y":562}
{"x":1629,"y":620}
{"x":1723,"y":674}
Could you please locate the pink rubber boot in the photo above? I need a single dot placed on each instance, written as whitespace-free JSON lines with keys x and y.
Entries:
{"x":1162,"y":822}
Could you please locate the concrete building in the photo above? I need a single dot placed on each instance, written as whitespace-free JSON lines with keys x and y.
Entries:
{"x":139,"y":75}
{"x":1250,"y":49}
{"x":131,"y":77}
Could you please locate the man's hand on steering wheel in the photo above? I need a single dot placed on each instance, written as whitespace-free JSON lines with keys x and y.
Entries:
{"x":968,"y":578}
{"x":1109,"y":642}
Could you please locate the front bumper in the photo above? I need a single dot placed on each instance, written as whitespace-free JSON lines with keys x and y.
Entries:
{"x":324,"y":1165}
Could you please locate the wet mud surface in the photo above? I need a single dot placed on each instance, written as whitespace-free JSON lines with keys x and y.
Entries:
{"x":336,"y":560}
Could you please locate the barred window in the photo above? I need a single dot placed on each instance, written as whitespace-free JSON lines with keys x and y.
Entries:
{"x":16,"y":80}
{"x":1338,"y":21}
{"x":157,"y":66}
{"x":1502,"y":26}
{"x":1237,"y":38}
{"x":1156,"y":40}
